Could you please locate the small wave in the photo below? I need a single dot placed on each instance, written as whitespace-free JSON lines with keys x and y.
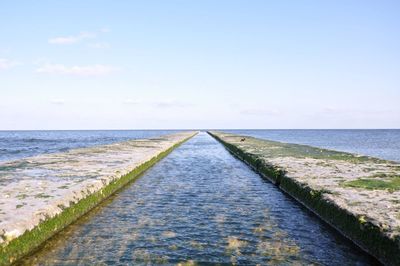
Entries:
{"x":37,"y":140}
{"x":9,"y":151}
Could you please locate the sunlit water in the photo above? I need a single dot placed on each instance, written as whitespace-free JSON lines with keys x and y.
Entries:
{"x":199,"y":204}
{"x":20,"y":144}
{"x":381,"y":143}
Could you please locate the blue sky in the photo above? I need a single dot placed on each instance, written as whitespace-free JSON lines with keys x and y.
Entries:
{"x":199,"y":64}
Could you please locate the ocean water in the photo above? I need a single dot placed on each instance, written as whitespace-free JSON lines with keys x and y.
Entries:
{"x":199,"y":204}
{"x":380,"y":143}
{"x":21,"y":144}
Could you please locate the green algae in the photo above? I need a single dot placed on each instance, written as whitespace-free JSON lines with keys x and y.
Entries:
{"x":42,"y":196}
{"x":33,"y":239}
{"x":273,"y":149}
{"x":391,"y":183}
{"x":22,"y":196}
{"x":11,"y":166}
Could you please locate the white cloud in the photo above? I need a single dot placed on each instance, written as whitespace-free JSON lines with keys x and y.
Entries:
{"x":72,"y":39}
{"x":6,"y":63}
{"x":91,"y":70}
{"x":64,"y":40}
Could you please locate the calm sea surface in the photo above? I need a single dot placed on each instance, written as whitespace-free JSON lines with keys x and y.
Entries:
{"x":381,"y":143}
{"x":199,"y":204}
{"x":20,"y":144}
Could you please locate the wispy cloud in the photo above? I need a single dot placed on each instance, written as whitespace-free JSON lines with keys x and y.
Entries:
{"x":105,"y":30}
{"x":334,"y":111}
{"x":157,"y":103}
{"x":132,"y":102}
{"x":73,"y":39}
{"x":170,"y":104}
{"x":91,"y":70}
{"x":57,"y":101}
{"x":260,"y":112}
{"x":6,"y":63}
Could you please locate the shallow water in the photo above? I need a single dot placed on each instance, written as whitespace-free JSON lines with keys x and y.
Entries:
{"x":199,"y":204}
{"x":381,"y":143}
{"x":21,"y":144}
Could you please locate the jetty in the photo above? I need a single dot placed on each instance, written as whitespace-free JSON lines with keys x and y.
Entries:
{"x":357,"y":195}
{"x":41,"y":195}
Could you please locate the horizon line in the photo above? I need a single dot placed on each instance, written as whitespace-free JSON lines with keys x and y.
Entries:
{"x":198,"y":129}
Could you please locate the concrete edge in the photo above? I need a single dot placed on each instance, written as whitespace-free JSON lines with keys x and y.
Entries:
{"x":365,"y":235}
{"x":33,"y":239}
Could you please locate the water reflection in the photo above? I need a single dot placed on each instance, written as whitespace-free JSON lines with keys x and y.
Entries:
{"x":199,"y":206}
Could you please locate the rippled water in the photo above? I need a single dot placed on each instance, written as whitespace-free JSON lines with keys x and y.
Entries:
{"x":381,"y":143}
{"x":199,"y":204}
{"x":20,"y":144}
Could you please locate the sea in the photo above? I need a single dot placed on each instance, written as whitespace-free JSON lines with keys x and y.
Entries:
{"x":381,"y":143}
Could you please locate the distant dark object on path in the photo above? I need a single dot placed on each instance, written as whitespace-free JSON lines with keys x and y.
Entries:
{"x":242,"y":139}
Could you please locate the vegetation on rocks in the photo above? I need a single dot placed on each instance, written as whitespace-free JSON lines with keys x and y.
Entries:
{"x":389,"y":183}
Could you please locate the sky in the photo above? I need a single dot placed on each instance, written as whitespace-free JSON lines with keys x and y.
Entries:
{"x":199,"y":64}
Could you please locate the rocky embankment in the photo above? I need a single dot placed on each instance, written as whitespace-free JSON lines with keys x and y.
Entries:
{"x":357,"y":195}
{"x":41,"y":195}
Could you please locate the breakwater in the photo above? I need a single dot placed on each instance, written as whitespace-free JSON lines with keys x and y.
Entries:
{"x":357,"y":195}
{"x":199,"y":206}
{"x":41,"y":195}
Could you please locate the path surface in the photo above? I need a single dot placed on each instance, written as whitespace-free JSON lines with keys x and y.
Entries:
{"x":199,"y":204}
